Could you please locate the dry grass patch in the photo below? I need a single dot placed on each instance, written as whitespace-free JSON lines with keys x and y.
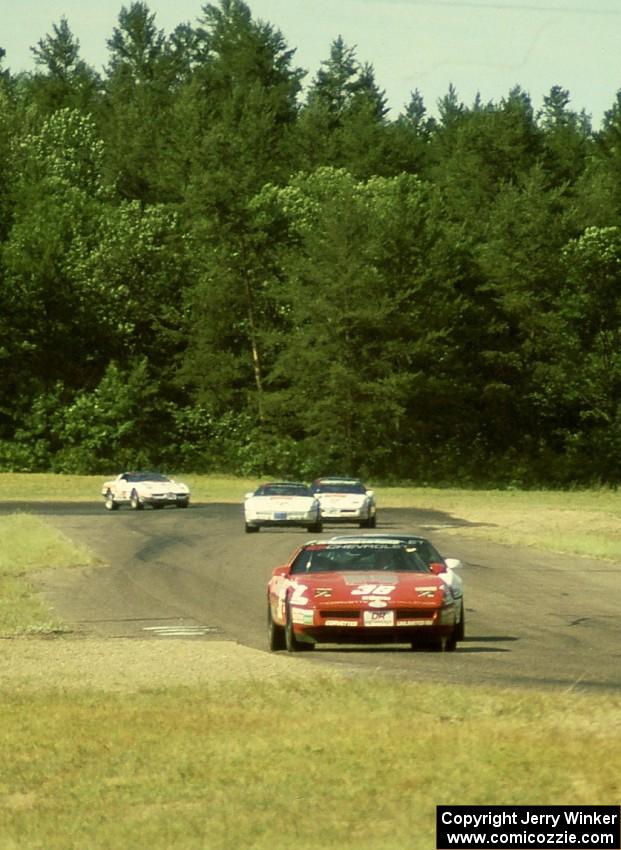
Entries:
{"x":41,"y":487}
{"x":29,"y":544}
{"x":322,"y":764}
{"x":586,"y":522}
{"x":582,"y":522}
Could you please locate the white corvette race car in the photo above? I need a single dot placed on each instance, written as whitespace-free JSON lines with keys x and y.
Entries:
{"x":345,"y":500}
{"x":282,"y":503}
{"x":138,"y":489}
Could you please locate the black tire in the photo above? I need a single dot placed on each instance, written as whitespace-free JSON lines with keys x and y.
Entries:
{"x":369,"y":522}
{"x":450,"y":644}
{"x":424,"y":644}
{"x":460,"y":628}
{"x":183,"y":504}
{"x":110,"y":504}
{"x":441,"y":644}
{"x":292,"y":644}
{"x":134,"y":502}
{"x":252,"y":529}
{"x":372,"y":521}
{"x":275,"y":633}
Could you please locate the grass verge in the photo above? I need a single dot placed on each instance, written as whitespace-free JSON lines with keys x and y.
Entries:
{"x":580,"y":522}
{"x":28,"y":544}
{"x":324,"y":762}
{"x":331,"y":763}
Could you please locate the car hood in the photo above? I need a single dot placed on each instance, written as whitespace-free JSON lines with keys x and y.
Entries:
{"x":161,"y":486}
{"x":277,"y":503}
{"x":373,"y":589}
{"x":337,"y":499}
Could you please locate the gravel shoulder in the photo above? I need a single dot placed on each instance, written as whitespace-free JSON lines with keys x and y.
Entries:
{"x":129,"y":665}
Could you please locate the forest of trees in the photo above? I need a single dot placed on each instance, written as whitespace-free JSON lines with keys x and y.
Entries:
{"x":214,"y":260}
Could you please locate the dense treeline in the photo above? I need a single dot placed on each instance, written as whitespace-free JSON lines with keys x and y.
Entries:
{"x":209,"y":262}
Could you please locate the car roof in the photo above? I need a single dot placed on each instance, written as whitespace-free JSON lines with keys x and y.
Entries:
{"x":143,"y":472}
{"x":363,"y":538}
{"x":402,"y":538}
{"x":338,"y":479}
{"x":283,"y":484}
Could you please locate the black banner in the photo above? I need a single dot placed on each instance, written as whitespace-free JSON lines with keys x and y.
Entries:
{"x":530,"y":827}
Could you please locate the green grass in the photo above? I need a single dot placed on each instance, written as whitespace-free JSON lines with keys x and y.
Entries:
{"x":358,"y":763}
{"x":41,"y":487}
{"x":579,"y":522}
{"x":584,"y":522}
{"x":29,"y":544}
{"x":322,"y":762}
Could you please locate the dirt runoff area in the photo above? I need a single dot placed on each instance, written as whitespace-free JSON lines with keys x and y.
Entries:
{"x":126,"y":665}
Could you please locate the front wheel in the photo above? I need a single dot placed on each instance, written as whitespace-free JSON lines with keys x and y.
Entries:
{"x":110,"y":503}
{"x":275,"y":633}
{"x":134,"y":502}
{"x":292,"y":644}
{"x":183,"y":503}
{"x":460,"y":628}
{"x":439,"y":644}
{"x":450,"y":643}
{"x":251,"y":529}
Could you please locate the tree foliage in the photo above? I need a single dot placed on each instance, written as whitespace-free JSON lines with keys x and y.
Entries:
{"x":204,"y":264}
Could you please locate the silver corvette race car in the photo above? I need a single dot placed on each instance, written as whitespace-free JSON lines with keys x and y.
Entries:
{"x":138,"y":489}
{"x":345,"y":500}
{"x":282,"y":503}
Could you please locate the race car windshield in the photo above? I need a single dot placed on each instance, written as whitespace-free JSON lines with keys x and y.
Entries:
{"x":339,"y":488}
{"x":146,"y":476}
{"x":358,"y":558}
{"x":283,"y":490}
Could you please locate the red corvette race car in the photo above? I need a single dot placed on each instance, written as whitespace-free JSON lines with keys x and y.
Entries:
{"x":360,"y":590}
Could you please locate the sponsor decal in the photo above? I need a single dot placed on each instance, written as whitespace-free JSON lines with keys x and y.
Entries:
{"x":378,"y":578}
{"x":426,"y":591}
{"x":415,"y":622}
{"x":326,"y":592}
{"x":302,"y":616}
{"x":373,"y":590}
{"x":353,"y":623}
{"x":298,"y":596}
{"x":378,"y":618}
{"x":375,"y":595}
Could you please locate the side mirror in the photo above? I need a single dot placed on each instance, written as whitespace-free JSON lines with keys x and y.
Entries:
{"x":436,"y":569}
{"x":453,"y":563}
{"x":281,"y":571}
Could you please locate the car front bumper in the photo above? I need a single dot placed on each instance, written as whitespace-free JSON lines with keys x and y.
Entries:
{"x":164,"y":498}
{"x":345,"y":514}
{"x":373,"y":625}
{"x":284,"y":518}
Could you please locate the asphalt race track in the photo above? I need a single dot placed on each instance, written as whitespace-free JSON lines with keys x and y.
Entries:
{"x":532,"y":619}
